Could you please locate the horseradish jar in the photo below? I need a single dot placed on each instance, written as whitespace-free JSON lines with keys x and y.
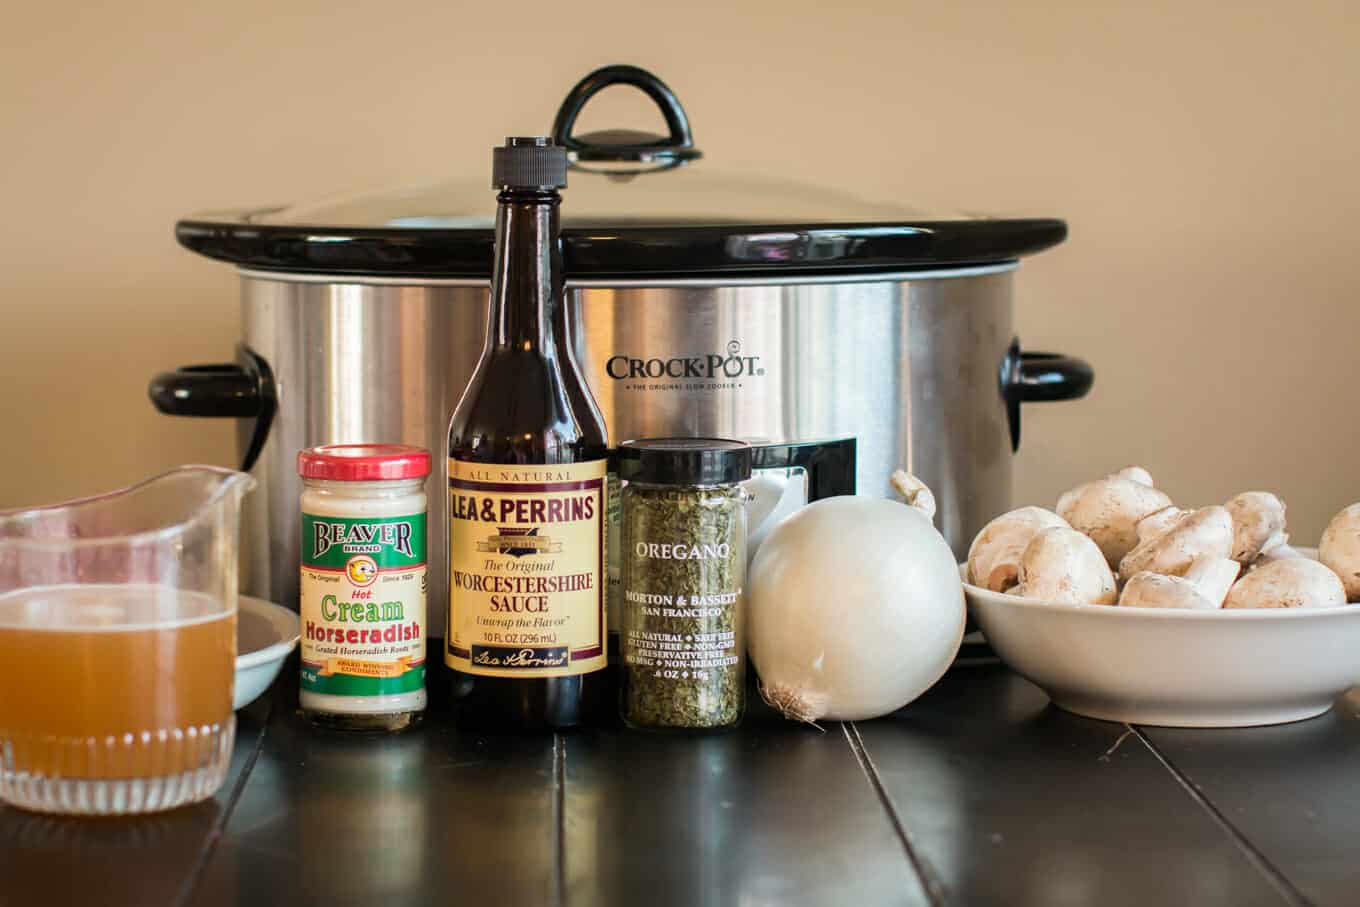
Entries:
{"x":363,"y":585}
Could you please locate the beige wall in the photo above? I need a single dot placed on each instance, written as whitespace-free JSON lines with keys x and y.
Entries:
{"x":1204,"y":154}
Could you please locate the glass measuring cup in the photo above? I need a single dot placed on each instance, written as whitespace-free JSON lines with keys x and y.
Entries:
{"x":118,"y":645}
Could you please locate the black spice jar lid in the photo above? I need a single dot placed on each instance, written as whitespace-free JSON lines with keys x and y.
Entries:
{"x":684,"y":461}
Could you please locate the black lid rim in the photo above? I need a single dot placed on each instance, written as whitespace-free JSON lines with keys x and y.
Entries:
{"x":749,"y":250}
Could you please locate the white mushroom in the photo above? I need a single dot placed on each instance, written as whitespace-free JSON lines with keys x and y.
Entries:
{"x":1108,"y":510}
{"x":1213,"y":577}
{"x":994,"y":556}
{"x":1258,"y":524}
{"x":1202,"y":588}
{"x":1135,"y":474}
{"x":1154,"y":524}
{"x":1207,"y":532}
{"x":1062,"y":566}
{"x":1340,"y":549}
{"x":1295,"y":582}
{"x":914,"y":492}
{"x":1277,"y":553}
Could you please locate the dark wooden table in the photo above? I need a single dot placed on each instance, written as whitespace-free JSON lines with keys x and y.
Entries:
{"x":979,"y":793}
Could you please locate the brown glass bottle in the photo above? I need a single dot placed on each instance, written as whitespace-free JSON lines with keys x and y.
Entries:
{"x":526,"y":443}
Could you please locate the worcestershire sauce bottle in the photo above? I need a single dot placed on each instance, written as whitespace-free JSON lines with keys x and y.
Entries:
{"x":527,"y":463}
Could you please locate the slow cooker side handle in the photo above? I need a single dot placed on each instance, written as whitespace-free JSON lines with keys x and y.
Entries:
{"x":243,"y":389}
{"x":1028,"y":377}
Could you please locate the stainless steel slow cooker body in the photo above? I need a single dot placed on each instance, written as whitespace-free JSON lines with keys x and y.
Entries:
{"x":785,"y":316}
{"x":911,"y":367}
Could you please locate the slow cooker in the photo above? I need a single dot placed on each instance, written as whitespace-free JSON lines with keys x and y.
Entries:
{"x":844,"y":338}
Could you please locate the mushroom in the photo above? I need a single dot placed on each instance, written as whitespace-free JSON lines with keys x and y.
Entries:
{"x":1154,"y":524}
{"x":914,"y":492}
{"x":1135,"y":474}
{"x":1207,"y":532}
{"x":1258,"y":524}
{"x":1202,"y":588}
{"x":1062,"y":566}
{"x":1340,"y":549}
{"x":1108,"y":509}
{"x":1294,"y":582}
{"x":1277,"y":553}
{"x":994,"y":556}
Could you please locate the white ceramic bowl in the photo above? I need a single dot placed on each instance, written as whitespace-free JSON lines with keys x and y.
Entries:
{"x":265,"y":635}
{"x":1176,"y":668}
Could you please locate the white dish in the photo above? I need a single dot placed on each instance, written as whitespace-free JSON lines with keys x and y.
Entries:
{"x":265,"y":635}
{"x":1176,"y":668}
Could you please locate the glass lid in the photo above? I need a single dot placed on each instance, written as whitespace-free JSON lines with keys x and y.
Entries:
{"x":637,"y":205}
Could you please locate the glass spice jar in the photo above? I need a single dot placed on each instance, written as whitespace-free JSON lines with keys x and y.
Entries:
{"x":683,"y":568}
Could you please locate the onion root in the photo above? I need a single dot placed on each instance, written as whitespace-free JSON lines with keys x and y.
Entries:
{"x":790,"y":703}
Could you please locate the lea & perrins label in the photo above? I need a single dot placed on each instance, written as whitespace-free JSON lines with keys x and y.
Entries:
{"x":526,"y":577}
{"x":363,"y":604}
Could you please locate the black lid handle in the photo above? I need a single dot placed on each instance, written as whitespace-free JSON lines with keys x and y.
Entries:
{"x":641,"y":150}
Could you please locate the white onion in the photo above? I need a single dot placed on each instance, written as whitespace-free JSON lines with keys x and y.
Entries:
{"x":855,"y":608}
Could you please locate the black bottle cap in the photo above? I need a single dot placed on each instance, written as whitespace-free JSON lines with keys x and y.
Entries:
{"x":532,"y":162}
{"x":684,"y":461}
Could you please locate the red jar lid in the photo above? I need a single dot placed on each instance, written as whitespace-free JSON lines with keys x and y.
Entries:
{"x":363,"y":462}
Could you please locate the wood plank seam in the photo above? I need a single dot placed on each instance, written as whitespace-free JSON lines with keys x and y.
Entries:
{"x":1277,"y":879}
{"x":200,"y":867}
{"x":930,"y":881}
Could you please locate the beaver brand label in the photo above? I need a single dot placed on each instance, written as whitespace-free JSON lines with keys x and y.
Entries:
{"x":363,"y":605}
{"x":526,"y":577}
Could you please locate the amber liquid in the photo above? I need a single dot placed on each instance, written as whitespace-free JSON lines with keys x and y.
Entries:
{"x":116,"y":681}
{"x":527,"y":403}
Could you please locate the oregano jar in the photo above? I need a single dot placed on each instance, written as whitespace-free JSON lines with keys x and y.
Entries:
{"x":683,"y":572}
